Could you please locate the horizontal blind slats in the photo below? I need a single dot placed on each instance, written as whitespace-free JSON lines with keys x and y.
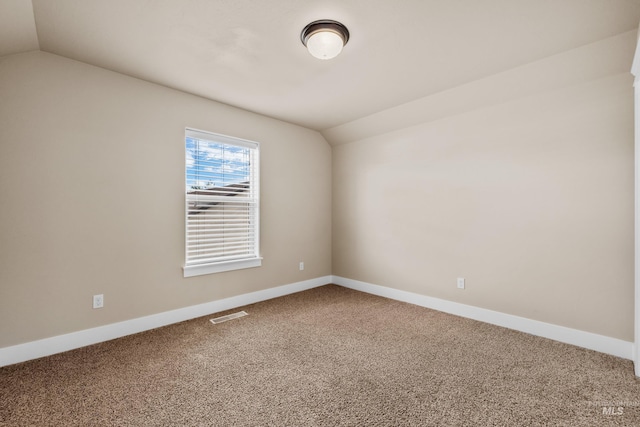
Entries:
{"x":220,"y":251}
{"x":222,"y":206}
{"x":212,"y":238}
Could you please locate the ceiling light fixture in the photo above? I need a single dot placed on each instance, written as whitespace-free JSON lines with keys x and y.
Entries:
{"x":324,"y":38}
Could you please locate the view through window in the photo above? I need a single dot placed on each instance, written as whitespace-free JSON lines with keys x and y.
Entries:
{"x":222,"y":203}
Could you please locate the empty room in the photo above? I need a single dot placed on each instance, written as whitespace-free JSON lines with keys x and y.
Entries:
{"x":319,"y":213}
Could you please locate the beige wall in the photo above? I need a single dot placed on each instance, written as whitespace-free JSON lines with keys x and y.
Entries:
{"x":529,"y":197}
{"x":91,"y":193}
{"x":522,"y":183}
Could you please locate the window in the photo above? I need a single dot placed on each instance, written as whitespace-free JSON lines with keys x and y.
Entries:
{"x":222,"y":203}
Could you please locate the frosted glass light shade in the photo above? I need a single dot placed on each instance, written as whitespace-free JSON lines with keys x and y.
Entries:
{"x":325,"y":38}
{"x":325,"y":44}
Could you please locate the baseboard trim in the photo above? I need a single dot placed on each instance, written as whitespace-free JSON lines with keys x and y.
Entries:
{"x":601,"y":343}
{"x":58,"y":344}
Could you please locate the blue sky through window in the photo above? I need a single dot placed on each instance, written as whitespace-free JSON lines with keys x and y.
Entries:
{"x":214,"y":164}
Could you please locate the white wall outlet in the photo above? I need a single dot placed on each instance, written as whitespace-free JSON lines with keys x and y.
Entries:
{"x":301,"y":265}
{"x":460,"y":282}
{"x":98,"y":301}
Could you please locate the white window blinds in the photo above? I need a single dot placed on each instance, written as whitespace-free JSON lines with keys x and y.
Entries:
{"x":222,"y":203}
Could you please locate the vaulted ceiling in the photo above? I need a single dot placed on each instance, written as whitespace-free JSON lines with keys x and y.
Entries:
{"x":247,"y":53}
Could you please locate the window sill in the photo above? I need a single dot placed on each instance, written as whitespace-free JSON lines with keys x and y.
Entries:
{"x":219,"y":267}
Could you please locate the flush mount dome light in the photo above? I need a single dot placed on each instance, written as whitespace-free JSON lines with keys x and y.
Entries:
{"x":324,"y":38}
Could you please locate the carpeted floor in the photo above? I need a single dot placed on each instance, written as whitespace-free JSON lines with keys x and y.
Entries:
{"x":329,"y":356}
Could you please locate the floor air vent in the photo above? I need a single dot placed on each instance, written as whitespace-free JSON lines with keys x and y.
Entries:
{"x":228,"y":317}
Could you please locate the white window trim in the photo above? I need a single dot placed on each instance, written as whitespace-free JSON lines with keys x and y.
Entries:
{"x":219,"y":267}
{"x":228,"y":265}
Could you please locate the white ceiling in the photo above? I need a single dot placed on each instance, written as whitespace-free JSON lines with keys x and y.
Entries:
{"x":247,"y":53}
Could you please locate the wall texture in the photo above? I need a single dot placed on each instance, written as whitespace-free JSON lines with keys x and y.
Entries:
{"x":528,"y":196}
{"x":522,"y":183}
{"x":92,"y":198}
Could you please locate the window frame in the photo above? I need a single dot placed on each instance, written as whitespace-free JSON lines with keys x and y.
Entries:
{"x":193,"y":268}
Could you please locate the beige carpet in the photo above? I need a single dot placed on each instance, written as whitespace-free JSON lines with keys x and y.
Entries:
{"x":325,"y":357}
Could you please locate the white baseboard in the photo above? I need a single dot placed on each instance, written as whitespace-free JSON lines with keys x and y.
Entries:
{"x":48,"y":346}
{"x":601,"y":343}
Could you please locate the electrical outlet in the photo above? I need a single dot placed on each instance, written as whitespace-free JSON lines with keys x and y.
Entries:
{"x":98,"y":301}
{"x":460,"y":282}
{"x":301,"y":265}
